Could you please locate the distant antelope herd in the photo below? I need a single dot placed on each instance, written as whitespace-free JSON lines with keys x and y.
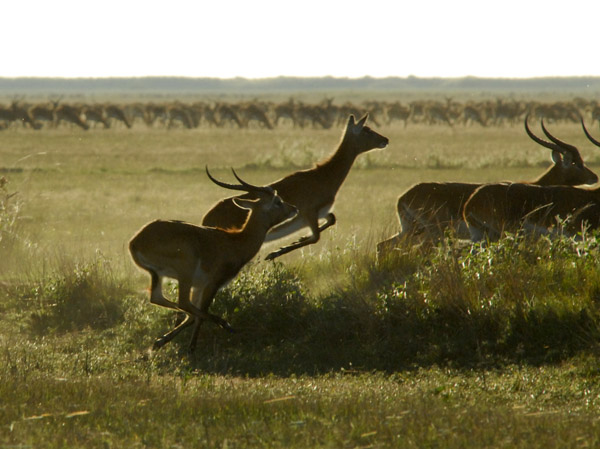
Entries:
{"x":203,"y":258}
{"x":294,"y":112}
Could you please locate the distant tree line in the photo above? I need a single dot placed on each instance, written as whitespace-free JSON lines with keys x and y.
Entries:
{"x":174,"y":85}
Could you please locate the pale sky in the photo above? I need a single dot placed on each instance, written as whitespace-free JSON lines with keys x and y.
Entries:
{"x":267,"y":38}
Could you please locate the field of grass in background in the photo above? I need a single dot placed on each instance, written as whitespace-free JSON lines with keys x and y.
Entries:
{"x":440,"y":346}
{"x":84,"y":191}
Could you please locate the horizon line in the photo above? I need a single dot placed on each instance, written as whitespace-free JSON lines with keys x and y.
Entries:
{"x":407,"y":77}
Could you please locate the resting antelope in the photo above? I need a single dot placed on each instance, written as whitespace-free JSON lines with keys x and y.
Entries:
{"x":431,"y":207}
{"x":312,"y":191}
{"x":203,"y":259}
{"x":496,"y":208}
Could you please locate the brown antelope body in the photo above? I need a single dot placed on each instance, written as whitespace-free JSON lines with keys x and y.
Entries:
{"x":507,"y":207}
{"x":312,"y":191}
{"x":203,"y":259}
{"x":431,"y":207}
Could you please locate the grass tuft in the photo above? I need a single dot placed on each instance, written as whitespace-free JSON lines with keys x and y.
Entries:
{"x":10,"y":216}
{"x":77,"y":295}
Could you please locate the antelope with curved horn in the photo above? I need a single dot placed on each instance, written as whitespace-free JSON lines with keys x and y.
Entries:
{"x":432,"y":207}
{"x":497,"y":208}
{"x":203,"y":259}
{"x":312,"y":190}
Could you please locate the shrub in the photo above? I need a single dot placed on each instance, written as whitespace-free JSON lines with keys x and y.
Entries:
{"x":513,"y":299}
{"x":267,"y":302}
{"x":79,"y":295}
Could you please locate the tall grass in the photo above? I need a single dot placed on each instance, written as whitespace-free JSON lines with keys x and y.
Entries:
{"x":516,"y":300}
{"x":10,"y":214}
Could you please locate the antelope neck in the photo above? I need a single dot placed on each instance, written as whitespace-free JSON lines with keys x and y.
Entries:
{"x":339,"y":163}
{"x":252,"y":231}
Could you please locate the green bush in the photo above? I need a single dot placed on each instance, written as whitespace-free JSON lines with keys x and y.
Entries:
{"x":77,"y":296}
{"x":516,"y":300}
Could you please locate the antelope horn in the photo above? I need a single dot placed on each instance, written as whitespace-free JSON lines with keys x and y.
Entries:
{"x":250,"y":187}
{"x":570,"y":148}
{"x":588,"y":135}
{"x":244,"y":186}
{"x":542,"y":142}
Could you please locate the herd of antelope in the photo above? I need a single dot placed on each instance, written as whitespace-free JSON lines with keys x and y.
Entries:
{"x":294,"y":112}
{"x":204,"y":257}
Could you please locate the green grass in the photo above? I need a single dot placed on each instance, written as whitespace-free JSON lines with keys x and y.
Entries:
{"x":444,"y":346}
{"x":115,"y":181}
{"x":519,"y":407}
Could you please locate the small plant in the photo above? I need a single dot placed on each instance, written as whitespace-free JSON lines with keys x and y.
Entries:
{"x":79,"y":295}
{"x":10,"y":209}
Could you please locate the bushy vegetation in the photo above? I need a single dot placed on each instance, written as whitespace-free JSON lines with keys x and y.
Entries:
{"x":80,"y":295}
{"x":517,"y":300}
{"x":387,"y":355}
{"x":10,"y":209}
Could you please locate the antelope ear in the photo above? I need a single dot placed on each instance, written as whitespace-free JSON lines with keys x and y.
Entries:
{"x":244,"y":203}
{"x":363,"y":120}
{"x":351,"y":122}
{"x":566,"y":160}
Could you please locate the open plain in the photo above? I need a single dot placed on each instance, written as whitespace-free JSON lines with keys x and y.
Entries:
{"x":435,"y":346}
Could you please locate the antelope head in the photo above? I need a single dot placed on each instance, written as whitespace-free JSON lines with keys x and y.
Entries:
{"x":361,"y":137}
{"x":266,"y":200}
{"x":566,"y":158}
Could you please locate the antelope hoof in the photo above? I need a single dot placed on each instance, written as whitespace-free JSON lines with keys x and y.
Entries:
{"x":146,"y":355}
{"x":179,"y":318}
{"x":158,"y":343}
{"x":306,"y":238}
{"x":225,"y":325}
{"x":273,"y":255}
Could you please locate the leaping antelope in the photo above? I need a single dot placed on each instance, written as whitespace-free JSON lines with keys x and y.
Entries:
{"x":312,"y":190}
{"x":203,"y":259}
{"x":497,"y":208}
{"x":432,"y":207}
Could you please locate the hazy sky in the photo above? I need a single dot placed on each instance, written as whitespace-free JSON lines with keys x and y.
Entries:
{"x":264,"y":38}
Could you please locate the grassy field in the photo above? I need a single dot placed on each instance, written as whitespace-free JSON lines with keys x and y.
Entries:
{"x":434,"y":347}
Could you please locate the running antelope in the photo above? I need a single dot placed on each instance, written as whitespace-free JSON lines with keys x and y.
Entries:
{"x":312,"y":190}
{"x":507,"y":207}
{"x":203,"y":259}
{"x":431,"y":207}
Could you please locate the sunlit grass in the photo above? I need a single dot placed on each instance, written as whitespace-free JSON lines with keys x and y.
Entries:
{"x":434,"y":346}
{"x":107,"y":184}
